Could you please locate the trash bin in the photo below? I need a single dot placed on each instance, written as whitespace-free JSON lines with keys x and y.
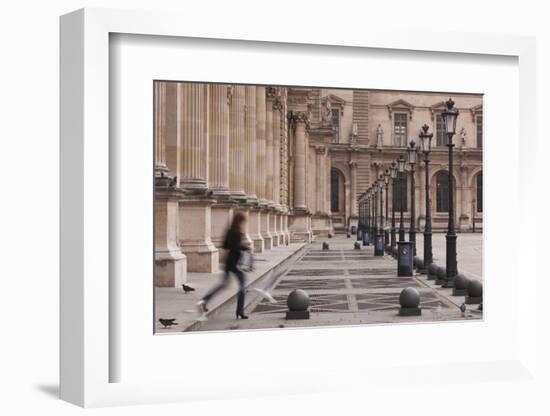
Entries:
{"x":404,"y":258}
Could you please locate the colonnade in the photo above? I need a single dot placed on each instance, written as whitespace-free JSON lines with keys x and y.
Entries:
{"x":220,"y":149}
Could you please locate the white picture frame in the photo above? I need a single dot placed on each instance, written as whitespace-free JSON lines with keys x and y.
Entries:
{"x":86,"y":353}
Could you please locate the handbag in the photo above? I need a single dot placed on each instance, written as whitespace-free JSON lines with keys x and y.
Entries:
{"x":246,"y":261}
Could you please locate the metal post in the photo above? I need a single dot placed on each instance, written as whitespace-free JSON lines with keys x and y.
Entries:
{"x":386,"y":234}
{"x":401,"y":203}
{"x":393,"y":183}
{"x":451,"y":233}
{"x":412,"y":231}
{"x":428,"y":256}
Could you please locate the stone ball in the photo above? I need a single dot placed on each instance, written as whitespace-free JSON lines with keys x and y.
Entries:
{"x":433,"y":269}
{"x":475,"y":289}
{"x":356,"y":245}
{"x":441,"y":272}
{"x":325,"y":245}
{"x":409,"y":298}
{"x":298,"y":300}
{"x":418,"y":262}
{"x":461,"y":281}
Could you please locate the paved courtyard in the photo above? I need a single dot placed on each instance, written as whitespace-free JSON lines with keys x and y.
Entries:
{"x":347,"y":287}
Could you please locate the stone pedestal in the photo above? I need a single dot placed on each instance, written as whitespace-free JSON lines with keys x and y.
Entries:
{"x":274,"y":227}
{"x":464,"y":223}
{"x":170,"y":262}
{"x":195,"y":224}
{"x":265,"y":228}
{"x":300,"y":226}
{"x":285,"y":228}
{"x":254,"y":226}
{"x":320,"y":224}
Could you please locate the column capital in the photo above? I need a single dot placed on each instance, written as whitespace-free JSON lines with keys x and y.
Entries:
{"x":321,"y":150}
{"x":277,"y":104}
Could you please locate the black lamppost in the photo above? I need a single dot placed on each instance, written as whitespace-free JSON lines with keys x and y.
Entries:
{"x":393,"y":172}
{"x":411,"y":152}
{"x":374,"y":191}
{"x":381,"y":195}
{"x":425,"y":146}
{"x":387,"y":183}
{"x":402,"y":179}
{"x":449,"y":120}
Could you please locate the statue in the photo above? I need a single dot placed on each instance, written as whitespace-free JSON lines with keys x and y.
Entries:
{"x":462,"y":137}
{"x":379,"y":136}
{"x":326,"y":112}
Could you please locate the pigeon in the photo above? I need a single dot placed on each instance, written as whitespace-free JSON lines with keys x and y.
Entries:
{"x":188,"y":288}
{"x":167,"y":323}
{"x":265,"y":294}
{"x":463,"y":309}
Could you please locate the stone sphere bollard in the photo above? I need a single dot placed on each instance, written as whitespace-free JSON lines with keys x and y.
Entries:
{"x":432,"y":271}
{"x":357,"y":246}
{"x":349,"y":235}
{"x":330,"y":235}
{"x":298,"y":303}
{"x":409,"y":299}
{"x":418,"y":262}
{"x":461,"y":284}
{"x":441,"y":275}
{"x":325,"y":245}
{"x":474,"y":292}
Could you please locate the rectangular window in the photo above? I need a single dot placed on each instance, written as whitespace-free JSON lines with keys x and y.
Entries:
{"x":335,"y":125}
{"x":479,"y":131}
{"x":400,"y":128}
{"x":334,"y":191}
{"x":441,"y":139}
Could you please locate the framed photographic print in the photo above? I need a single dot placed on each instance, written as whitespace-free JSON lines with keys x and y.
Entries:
{"x":326,"y":210}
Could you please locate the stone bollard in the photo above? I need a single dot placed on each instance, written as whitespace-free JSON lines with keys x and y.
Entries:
{"x":409,"y":299}
{"x":441,"y":276}
{"x":418,"y":263}
{"x":356,"y":246}
{"x":474,"y":294}
{"x":432,"y":271}
{"x":461,"y":285}
{"x":298,"y":303}
{"x":325,"y":245}
{"x":349,"y":235}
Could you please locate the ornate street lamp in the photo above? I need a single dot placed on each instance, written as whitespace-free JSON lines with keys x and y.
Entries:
{"x":379,"y":237}
{"x":386,"y":183}
{"x":393,"y":173}
{"x":425,"y":147}
{"x":402,"y":178}
{"x":411,"y":152}
{"x":381,"y":195}
{"x":449,"y":121}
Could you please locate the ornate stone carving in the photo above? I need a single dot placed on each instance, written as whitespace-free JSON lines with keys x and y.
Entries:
{"x":277,"y":104}
{"x":321,"y":150}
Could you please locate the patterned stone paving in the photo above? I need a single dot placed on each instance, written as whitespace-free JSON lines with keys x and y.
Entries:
{"x":345,"y":286}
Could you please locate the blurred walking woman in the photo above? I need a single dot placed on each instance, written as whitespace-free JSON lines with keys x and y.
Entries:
{"x":234,"y":246}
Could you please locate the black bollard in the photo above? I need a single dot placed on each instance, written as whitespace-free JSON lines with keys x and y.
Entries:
{"x":404,"y":259}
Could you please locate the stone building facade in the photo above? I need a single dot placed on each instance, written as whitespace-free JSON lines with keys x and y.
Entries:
{"x":294,"y":160}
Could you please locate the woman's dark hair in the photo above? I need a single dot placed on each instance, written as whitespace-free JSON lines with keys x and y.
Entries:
{"x":236,"y":223}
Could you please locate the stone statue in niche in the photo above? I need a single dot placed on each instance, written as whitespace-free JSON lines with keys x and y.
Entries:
{"x":462,"y":137}
{"x":379,"y":136}
{"x":326,"y":112}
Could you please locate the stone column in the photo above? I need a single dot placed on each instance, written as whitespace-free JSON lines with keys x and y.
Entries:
{"x":222,"y":210}
{"x":277,"y":232}
{"x":160,"y":128}
{"x":256,"y":212}
{"x":236,"y":143}
{"x":170,"y":262}
{"x":267,"y":220}
{"x":300,"y":224}
{"x":195,"y":208}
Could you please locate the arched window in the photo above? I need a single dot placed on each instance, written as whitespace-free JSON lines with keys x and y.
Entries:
{"x":396,"y":194}
{"x":442,"y":192}
{"x":479,"y":193}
